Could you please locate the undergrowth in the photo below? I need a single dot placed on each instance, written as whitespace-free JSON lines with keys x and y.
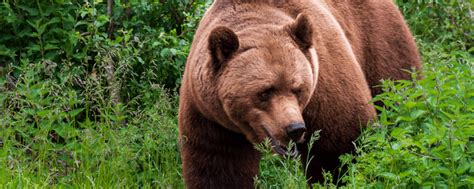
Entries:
{"x":89,"y":104}
{"x":424,"y":135}
{"x":49,"y":140}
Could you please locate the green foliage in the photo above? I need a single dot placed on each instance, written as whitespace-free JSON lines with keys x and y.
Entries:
{"x":85,"y":103}
{"x":443,"y":21}
{"x":49,"y":139}
{"x":152,"y":37}
{"x":281,"y":172}
{"x":423,"y":138}
{"x":277,"y":171}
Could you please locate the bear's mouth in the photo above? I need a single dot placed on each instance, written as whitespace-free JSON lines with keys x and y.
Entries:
{"x":281,"y":149}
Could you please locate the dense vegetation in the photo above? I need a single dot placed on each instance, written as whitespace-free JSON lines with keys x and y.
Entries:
{"x":88,"y":98}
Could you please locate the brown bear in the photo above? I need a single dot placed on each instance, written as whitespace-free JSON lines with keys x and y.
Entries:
{"x":282,"y":69}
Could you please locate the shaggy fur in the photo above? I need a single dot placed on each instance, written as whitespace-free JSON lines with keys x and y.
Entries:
{"x":256,"y":67}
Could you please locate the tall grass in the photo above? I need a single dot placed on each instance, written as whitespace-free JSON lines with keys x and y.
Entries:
{"x":48,"y":141}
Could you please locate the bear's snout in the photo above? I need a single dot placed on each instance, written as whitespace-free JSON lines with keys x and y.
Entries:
{"x":295,"y":131}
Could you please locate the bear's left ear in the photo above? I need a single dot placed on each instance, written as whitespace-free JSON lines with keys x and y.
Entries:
{"x":301,"y":31}
{"x":223,"y":43}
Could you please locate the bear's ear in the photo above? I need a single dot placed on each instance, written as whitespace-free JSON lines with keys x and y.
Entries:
{"x":223,"y":43}
{"x":301,"y":31}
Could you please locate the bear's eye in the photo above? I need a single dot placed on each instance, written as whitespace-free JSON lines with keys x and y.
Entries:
{"x":266,"y":94}
{"x":297,"y":92}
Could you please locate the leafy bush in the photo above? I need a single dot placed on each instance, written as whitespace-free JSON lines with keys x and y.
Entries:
{"x":45,"y":141}
{"x":423,"y":137}
{"x":442,"y":21}
{"x":149,"y":41}
{"x":86,"y":103}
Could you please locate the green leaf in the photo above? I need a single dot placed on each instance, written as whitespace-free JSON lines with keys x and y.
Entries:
{"x":417,"y":113}
{"x":75,"y":112}
{"x":389,"y":176}
{"x":165,"y":52}
{"x":34,"y":47}
{"x":50,"y":47}
{"x":43,"y":113}
{"x":461,"y":169}
{"x":31,"y":11}
{"x":173,"y":51}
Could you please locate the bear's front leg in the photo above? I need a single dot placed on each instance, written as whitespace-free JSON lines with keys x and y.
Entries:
{"x":215,"y":157}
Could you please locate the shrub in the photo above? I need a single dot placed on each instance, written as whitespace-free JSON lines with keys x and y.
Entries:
{"x":442,"y":21}
{"x":87,"y":99}
{"x":423,"y":137}
{"x":86,"y":103}
{"x":49,"y":139}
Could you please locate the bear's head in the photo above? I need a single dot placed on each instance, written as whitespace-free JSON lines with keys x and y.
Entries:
{"x":265,"y":78}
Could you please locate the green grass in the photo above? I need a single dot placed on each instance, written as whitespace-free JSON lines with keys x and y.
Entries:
{"x":43,"y":145}
{"x":60,"y":126}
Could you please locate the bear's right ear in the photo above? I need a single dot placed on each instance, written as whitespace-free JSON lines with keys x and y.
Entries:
{"x":223,"y":43}
{"x":301,"y":31}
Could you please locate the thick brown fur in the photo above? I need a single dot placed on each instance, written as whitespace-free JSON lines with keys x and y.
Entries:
{"x":257,"y":67}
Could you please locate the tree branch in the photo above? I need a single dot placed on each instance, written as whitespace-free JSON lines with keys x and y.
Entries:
{"x":110,"y":30}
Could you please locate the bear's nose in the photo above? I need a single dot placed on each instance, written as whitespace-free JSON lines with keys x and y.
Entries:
{"x":295,"y":131}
